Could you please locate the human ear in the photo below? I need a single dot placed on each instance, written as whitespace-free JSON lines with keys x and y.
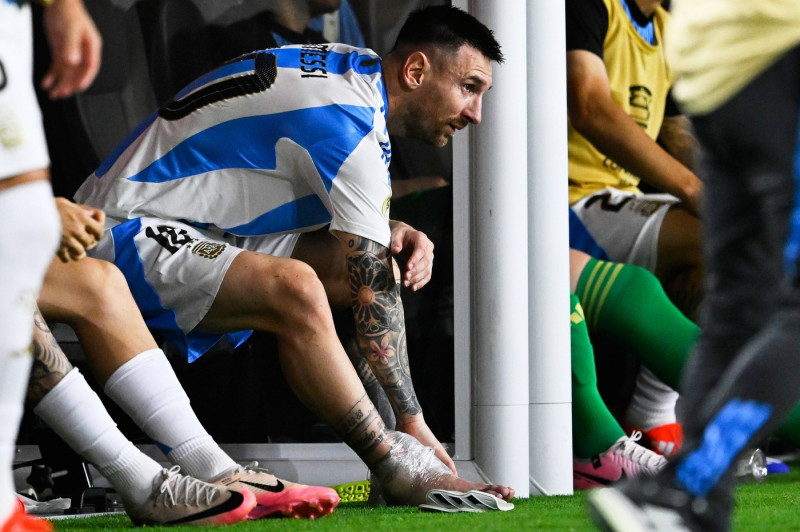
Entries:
{"x":415,"y":68}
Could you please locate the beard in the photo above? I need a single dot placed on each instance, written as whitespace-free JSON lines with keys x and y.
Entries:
{"x":421,"y":127}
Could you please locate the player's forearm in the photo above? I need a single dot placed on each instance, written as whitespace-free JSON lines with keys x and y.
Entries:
{"x":380,"y":324}
{"x":617,"y":136}
{"x":678,"y":138}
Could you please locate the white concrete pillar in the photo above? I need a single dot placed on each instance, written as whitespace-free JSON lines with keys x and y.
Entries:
{"x":500,"y":253}
{"x":548,"y":234}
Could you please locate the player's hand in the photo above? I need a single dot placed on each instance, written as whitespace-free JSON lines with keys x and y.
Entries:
{"x":417,"y":249}
{"x":75,"y":45}
{"x":81,"y":229}
{"x":416,"y":426}
{"x":694,"y":198}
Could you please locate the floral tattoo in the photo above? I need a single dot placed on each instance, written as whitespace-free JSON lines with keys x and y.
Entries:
{"x":380,"y":324}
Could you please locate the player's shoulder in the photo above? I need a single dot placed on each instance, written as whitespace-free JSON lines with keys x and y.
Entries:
{"x":331,"y":74}
{"x":324,"y":60}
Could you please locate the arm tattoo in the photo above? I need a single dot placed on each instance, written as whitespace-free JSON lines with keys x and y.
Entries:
{"x":50,"y":364}
{"x":380,"y":324}
{"x":677,"y":137}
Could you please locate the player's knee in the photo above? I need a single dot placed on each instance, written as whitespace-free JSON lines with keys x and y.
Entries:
{"x":100,"y":283}
{"x":301,"y":292}
{"x":644,"y":277}
{"x":679,"y":239}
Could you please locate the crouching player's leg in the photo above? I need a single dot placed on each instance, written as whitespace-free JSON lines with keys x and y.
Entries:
{"x":406,"y":469}
{"x":286,"y":297}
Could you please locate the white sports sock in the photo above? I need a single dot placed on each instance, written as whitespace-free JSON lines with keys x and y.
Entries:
{"x":652,"y":404}
{"x":14,"y":373}
{"x":28,"y":239}
{"x":74,"y":411}
{"x":148,"y":390}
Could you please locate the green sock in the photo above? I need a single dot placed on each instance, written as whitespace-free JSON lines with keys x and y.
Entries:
{"x":594,"y":429}
{"x":627,"y":303}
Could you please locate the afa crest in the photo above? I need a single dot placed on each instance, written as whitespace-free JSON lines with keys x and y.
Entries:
{"x":208,"y":250}
{"x":386,"y":206}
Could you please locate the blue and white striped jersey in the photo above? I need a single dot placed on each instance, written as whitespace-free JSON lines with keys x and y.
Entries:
{"x":279,"y":141}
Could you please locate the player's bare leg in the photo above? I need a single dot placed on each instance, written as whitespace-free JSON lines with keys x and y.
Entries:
{"x":406,"y":469}
{"x":91,"y":296}
{"x":679,"y":266}
{"x":284,"y":296}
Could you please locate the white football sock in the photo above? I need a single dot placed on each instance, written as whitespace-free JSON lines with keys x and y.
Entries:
{"x":74,"y":411}
{"x":148,"y":390}
{"x":28,"y":239}
{"x":15,"y":370}
{"x":652,"y":404}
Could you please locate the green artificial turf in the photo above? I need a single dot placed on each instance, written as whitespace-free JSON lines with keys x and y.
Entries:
{"x":771,"y":505}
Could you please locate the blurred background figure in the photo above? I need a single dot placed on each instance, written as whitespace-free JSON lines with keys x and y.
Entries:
{"x":30,"y":225}
{"x":738,"y":66}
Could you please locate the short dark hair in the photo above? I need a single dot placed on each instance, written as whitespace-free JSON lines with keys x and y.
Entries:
{"x":450,"y":27}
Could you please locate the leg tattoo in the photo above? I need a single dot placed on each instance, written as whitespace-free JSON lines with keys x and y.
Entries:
{"x":50,"y":364}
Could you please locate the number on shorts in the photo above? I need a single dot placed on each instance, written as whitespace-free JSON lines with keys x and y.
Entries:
{"x":169,"y":238}
{"x":605,"y":202}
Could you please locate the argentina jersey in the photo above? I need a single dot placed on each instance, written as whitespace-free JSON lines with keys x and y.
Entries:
{"x":279,"y":141}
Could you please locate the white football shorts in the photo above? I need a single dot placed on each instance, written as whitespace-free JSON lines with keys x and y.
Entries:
{"x":22,"y":142}
{"x":625,"y":224}
{"x":174,"y":271}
